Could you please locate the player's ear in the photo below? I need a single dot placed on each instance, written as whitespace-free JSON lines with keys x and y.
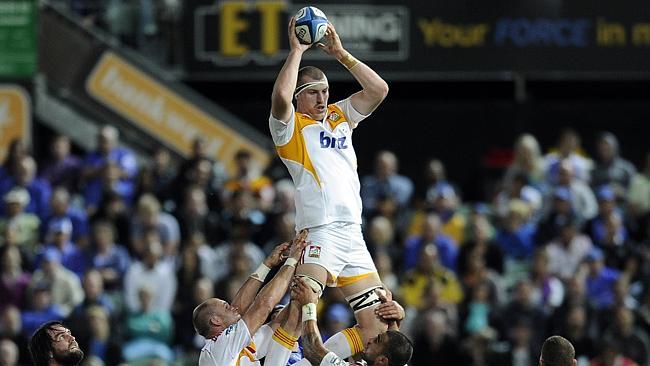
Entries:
{"x":382,"y":360}
{"x":216,"y":320}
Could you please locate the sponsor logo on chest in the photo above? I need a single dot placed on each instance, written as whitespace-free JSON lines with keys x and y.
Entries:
{"x":331,"y":142}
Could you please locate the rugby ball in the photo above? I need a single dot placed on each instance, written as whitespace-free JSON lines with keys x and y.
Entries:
{"x":311,"y":24}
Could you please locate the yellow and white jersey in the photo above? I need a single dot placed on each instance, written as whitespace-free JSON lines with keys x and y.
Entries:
{"x":321,"y":160}
{"x":231,"y":347}
{"x":234,"y":347}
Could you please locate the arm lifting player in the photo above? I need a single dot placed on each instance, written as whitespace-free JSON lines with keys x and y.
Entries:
{"x":388,"y":348}
{"x":227,"y":332}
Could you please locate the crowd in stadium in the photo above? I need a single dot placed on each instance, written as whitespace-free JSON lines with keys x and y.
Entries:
{"x":124,"y":249}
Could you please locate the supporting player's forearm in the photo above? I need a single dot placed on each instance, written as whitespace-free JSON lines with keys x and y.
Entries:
{"x":284,"y":86}
{"x":271,"y":294}
{"x":246,"y":294}
{"x":284,"y":337}
{"x":279,"y":319}
{"x":268,"y":297}
{"x":291,"y":323}
{"x":312,"y":344}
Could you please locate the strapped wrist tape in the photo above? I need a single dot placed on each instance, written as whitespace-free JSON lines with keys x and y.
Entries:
{"x":291,"y":262}
{"x":309,"y":312}
{"x":261,"y":272}
{"x":349,"y":61}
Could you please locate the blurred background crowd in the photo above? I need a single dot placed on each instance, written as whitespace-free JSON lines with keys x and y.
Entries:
{"x":125,"y":249}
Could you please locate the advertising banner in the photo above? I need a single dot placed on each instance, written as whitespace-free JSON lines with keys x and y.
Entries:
{"x":420,"y":40}
{"x":17,"y":38}
{"x":164,"y":114}
{"x":15,"y":116}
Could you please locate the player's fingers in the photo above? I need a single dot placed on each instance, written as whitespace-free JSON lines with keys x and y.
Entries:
{"x":387,"y":311}
{"x":389,"y":294}
{"x":388,"y":314}
{"x":303,"y":244}
{"x":381,"y":295}
{"x":302,"y":283}
{"x":382,"y":307}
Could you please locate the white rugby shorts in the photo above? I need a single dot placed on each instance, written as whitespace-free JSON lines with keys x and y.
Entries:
{"x":339,"y":247}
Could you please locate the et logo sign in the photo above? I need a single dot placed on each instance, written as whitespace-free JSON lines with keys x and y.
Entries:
{"x":236,"y":32}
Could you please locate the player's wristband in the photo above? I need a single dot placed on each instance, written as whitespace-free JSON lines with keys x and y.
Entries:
{"x":348,"y":61}
{"x":261,"y":272}
{"x":309,"y":312}
{"x":291,"y":262}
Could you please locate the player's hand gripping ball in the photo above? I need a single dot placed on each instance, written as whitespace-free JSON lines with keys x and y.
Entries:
{"x":311,"y":24}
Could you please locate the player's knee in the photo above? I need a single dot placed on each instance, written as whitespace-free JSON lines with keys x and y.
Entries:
{"x":315,"y":285}
{"x":364,"y":299}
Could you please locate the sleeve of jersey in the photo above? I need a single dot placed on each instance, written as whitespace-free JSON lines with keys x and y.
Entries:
{"x":262,"y":339}
{"x":228,"y":345}
{"x":352,"y":115}
{"x":282,"y":131}
{"x":280,"y":348}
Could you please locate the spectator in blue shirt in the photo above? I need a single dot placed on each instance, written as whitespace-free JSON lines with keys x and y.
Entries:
{"x":111,"y":259}
{"x":517,"y":238}
{"x":596,"y":227}
{"x":568,"y":149}
{"x":150,"y":216}
{"x":25,"y":177}
{"x":109,"y":153}
{"x":600,"y":280}
{"x":385,"y":182}
{"x":60,"y":209}
{"x":63,"y":168}
{"x":41,"y":311}
{"x":58,"y":237}
{"x":431,"y":233}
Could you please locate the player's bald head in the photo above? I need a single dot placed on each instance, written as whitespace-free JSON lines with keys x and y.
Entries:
{"x":557,"y":351}
{"x":202,"y":314}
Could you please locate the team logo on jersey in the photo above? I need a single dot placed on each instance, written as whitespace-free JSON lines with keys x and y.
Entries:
{"x":230,"y":329}
{"x":334,"y":117}
{"x":314,"y":251}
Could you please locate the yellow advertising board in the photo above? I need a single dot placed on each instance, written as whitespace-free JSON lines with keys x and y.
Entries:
{"x":163,"y":113}
{"x":15,"y":116}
